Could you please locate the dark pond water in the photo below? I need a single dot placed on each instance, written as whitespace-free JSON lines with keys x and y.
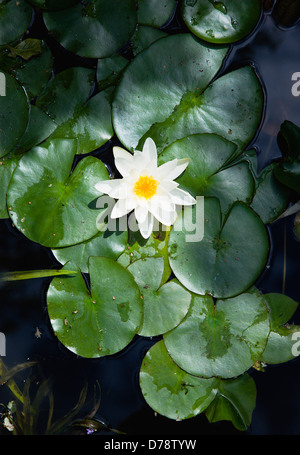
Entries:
{"x":274,"y":51}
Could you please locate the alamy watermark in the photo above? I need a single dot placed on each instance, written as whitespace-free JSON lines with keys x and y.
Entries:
{"x":2,"y":345}
{"x":296,"y":85}
{"x":296,"y":346}
{"x":191,"y":220}
{"x":2,"y":84}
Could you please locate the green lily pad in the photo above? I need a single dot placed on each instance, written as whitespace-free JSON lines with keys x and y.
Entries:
{"x":222,"y":339}
{"x":156,"y":246}
{"x":107,"y":244}
{"x":15,"y":17}
{"x":144,"y":36}
{"x":224,"y":263}
{"x":155,"y":12}
{"x":205,"y":174}
{"x":39,"y":128}
{"x":287,"y":170}
{"x":235,"y":401}
{"x":164,"y":307}
{"x":14,"y":111}
{"x":53,"y":5}
{"x":171,"y":391}
{"x":66,"y":93}
{"x":173,"y":76}
{"x":100,"y":322}
{"x":7,"y":166}
{"x":50,"y":204}
{"x":281,"y":346}
{"x":109,"y":70}
{"x":32,"y":74}
{"x":91,"y":126}
{"x":224,"y":21}
{"x":93,"y":28}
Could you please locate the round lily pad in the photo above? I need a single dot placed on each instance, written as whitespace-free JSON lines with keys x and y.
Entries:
{"x":225,"y":262}
{"x":106,"y":243}
{"x":171,"y":391}
{"x":15,"y":17}
{"x":93,"y":28}
{"x":224,"y":21}
{"x":14,"y":111}
{"x":100,"y":322}
{"x":205,"y":174}
{"x":223,"y":339}
{"x":165,"y":94}
{"x":50,"y":204}
{"x":164,"y":306}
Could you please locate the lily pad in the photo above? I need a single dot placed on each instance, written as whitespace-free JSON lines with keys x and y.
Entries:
{"x":109,"y":70}
{"x":171,"y":391}
{"x":50,"y":204}
{"x":107,"y":244}
{"x":32,"y":74}
{"x":235,"y":401}
{"x":224,"y":21}
{"x":14,"y":112}
{"x":156,"y":246}
{"x":205,"y":174}
{"x":271,"y":198}
{"x":93,"y":28}
{"x":224,"y":263}
{"x":222,"y":339}
{"x":281,"y":346}
{"x":66,"y":93}
{"x":99,"y":322}
{"x":53,"y":5}
{"x":91,"y":125}
{"x":144,"y":36}
{"x":173,"y":76}
{"x":155,"y":12}
{"x":7,"y":166}
{"x":15,"y":17}
{"x":287,"y":170}
{"x":164,"y":307}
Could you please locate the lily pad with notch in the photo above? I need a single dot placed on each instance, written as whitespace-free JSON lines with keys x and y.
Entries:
{"x":222,"y":339}
{"x":49,"y":202}
{"x":100,"y":321}
{"x":15,"y":17}
{"x":171,"y":391}
{"x":174,"y":76}
{"x":164,"y":306}
{"x":225,"y":262}
{"x":207,"y":174}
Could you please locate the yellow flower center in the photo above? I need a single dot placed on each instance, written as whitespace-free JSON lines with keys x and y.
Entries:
{"x":145,"y":186}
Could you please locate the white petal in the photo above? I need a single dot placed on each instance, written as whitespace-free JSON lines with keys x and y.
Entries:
{"x":164,"y":213}
{"x":181,"y":197}
{"x":146,"y":226}
{"x":172,"y":169}
{"x":141,"y":213}
{"x":149,"y":150}
{"x":121,"y":208}
{"x":168,"y":185}
{"x":107,"y":186}
{"x":123,"y":160}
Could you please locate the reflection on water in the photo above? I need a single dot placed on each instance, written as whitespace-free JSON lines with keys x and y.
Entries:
{"x":275,"y":54}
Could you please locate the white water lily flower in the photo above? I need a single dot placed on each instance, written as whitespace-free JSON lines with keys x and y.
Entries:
{"x":147,"y":189}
